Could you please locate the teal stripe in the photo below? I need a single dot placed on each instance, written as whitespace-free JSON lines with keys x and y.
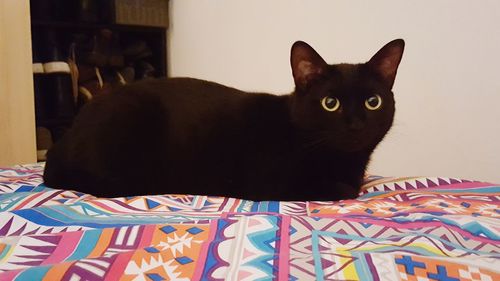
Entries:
{"x":33,"y":273}
{"x":361,"y":266}
{"x":86,"y":245}
{"x":5,"y":251}
{"x":8,"y":196}
{"x":41,"y":188}
{"x":242,"y":205}
{"x":318,"y":269}
{"x":263,"y":206}
{"x":87,"y":207}
{"x":13,"y":197}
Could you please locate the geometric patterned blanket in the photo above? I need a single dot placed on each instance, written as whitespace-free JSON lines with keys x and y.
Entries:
{"x":398,"y":229}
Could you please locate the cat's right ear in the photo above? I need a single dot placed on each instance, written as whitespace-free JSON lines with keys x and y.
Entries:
{"x":306,"y":64}
{"x":386,"y":61}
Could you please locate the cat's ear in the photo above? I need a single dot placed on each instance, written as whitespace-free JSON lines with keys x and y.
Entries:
{"x":307,"y":65}
{"x":386,"y":61}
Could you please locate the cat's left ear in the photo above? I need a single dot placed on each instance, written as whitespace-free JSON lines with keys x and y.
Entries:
{"x":306,"y":63}
{"x":386,"y":61}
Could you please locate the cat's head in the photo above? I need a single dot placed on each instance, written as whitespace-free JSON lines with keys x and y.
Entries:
{"x":345,"y":107}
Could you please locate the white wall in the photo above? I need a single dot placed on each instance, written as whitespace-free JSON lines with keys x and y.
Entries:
{"x":448,"y":85}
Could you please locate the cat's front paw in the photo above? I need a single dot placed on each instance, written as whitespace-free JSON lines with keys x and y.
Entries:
{"x":346,"y":191}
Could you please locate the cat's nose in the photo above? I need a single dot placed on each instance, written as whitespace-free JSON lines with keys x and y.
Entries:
{"x":356,"y":125}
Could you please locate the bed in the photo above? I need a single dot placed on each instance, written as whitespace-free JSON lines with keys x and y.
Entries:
{"x":398,"y":229}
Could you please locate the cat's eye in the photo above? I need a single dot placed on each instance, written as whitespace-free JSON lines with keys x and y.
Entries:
{"x":330,"y":103}
{"x":374,"y":102}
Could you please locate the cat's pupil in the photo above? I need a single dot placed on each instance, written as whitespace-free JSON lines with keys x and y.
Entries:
{"x":373,"y":101}
{"x":330,"y":102}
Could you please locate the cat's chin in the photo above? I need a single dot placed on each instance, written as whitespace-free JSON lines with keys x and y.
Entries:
{"x":354,"y":146}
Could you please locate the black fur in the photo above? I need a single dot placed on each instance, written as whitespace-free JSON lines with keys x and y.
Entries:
{"x":187,"y":136}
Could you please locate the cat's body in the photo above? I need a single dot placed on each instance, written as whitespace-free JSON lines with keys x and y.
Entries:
{"x":188,"y":136}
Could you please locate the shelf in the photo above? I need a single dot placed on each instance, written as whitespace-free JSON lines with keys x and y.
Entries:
{"x":96,"y":26}
{"x":54,"y":122}
{"x":57,"y":27}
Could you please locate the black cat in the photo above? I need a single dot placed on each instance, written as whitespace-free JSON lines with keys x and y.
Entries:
{"x":187,"y":136}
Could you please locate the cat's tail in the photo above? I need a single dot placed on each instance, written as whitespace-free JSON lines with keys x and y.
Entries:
{"x":55,"y":173}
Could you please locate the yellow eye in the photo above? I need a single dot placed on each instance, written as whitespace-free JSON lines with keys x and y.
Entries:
{"x":330,"y":103}
{"x":373,"y":102}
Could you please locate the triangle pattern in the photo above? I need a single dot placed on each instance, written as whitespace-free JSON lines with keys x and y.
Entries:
{"x":152,"y":204}
{"x":325,"y":263}
{"x":247,"y":253}
{"x":173,"y":209}
{"x":397,"y":187}
{"x":242,"y":274}
{"x":442,"y":182}
{"x":431,"y":183}
{"x":5,"y":229}
{"x":420,"y":185}
{"x":409,"y":186}
{"x":253,"y":222}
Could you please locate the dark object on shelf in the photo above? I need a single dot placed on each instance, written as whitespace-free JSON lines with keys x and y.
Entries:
{"x":144,"y":70}
{"x":124,"y":36}
{"x":38,"y":81}
{"x":87,"y":10}
{"x":103,"y":54}
{"x":57,"y":85}
{"x":137,"y":50}
{"x":100,"y":50}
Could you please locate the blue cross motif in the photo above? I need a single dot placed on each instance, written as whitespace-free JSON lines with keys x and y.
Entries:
{"x":441,"y":275}
{"x":410,"y":264}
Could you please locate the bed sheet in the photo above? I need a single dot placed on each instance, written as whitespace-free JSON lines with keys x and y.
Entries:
{"x":398,"y":229}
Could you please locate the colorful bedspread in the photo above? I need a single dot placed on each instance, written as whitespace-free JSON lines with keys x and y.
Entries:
{"x":398,"y":229}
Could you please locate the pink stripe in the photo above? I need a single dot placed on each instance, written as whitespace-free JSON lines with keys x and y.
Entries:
{"x":463,"y":185}
{"x":284,"y":251}
{"x":249,"y":214}
{"x":9,"y":275}
{"x":118,"y":267}
{"x":65,"y":248}
{"x":29,"y":199}
{"x":199,"y":202}
{"x":147,"y":235}
{"x":106,"y":207}
{"x":200,"y":263}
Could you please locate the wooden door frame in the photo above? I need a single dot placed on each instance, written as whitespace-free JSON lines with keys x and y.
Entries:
{"x":17,"y":114}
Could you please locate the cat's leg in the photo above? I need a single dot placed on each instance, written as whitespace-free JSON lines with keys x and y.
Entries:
{"x":346,"y":191}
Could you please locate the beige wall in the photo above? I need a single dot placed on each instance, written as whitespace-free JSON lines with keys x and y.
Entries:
{"x":17,"y":118}
{"x":447,"y":90}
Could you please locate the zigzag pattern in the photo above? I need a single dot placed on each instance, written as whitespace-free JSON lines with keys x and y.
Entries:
{"x":393,"y":184}
{"x":408,"y":229}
